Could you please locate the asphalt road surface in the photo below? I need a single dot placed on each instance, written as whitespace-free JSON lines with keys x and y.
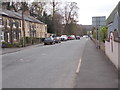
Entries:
{"x":50,"y":66}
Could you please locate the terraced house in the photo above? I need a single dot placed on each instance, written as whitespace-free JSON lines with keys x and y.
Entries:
{"x":11,"y":27}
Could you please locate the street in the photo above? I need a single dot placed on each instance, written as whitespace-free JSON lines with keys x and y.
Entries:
{"x":59,"y":45}
{"x":50,"y":66}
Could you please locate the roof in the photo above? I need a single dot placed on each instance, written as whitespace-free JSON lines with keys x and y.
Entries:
{"x":111,"y":17}
{"x":35,"y":20}
{"x":9,"y":14}
{"x":17,"y":15}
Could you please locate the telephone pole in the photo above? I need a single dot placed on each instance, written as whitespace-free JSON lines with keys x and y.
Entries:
{"x":23,"y":25}
{"x":54,"y":16}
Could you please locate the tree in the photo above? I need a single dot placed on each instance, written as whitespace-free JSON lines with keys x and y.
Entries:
{"x":47,"y":19}
{"x":94,"y":34}
{"x":37,"y":9}
{"x":103,"y":33}
{"x":16,"y":6}
{"x":70,"y":17}
{"x":58,"y":23}
{"x":54,"y":14}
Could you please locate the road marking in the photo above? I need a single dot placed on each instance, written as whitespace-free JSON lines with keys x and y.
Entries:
{"x":43,"y":54}
{"x":21,"y":59}
{"x":78,"y":68}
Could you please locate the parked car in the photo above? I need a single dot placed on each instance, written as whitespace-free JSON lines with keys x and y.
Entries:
{"x":77,"y":37}
{"x":71,"y":37}
{"x":49,"y":40}
{"x":86,"y":36}
{"x":57,"y":39}
{"x":63,"y":37}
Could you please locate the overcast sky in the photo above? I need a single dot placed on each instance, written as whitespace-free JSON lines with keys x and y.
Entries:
{"x":89,"y":8}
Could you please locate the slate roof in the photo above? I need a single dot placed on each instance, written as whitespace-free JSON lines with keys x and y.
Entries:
{"x":17,"y":15}
{"x":35,"y":20}
{"x":9,"y":14}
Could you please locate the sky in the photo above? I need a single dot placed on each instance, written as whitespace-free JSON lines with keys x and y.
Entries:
{"x":90,"y":8}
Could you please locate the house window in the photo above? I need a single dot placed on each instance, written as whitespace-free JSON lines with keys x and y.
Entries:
{"x":0,"y":21}
{"x":5,"y":23}
{"x":2,"y":36}
{"x":20,"y":23}
{"x":8,"y":22}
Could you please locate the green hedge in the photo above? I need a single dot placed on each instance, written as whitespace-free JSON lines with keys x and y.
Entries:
{"x":9,"y":45}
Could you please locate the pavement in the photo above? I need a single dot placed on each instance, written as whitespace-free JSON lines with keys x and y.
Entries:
{"x":96,"y":70}
{"x":11,"y":50}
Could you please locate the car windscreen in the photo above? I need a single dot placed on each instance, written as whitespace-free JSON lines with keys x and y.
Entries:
{"x":47,"y":38}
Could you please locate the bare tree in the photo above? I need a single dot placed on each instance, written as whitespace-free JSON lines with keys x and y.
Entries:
{"x":54,"y":4}
{"x":71,"y":12}
{"x":37,"y":9}
{"x":58,"y":23}
{"x":70,"y":17}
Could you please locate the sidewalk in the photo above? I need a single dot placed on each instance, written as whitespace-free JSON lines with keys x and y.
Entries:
{"x":96,"y":70}
{"x":11,"y":50}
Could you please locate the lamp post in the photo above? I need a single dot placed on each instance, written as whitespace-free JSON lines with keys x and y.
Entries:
{"x":98,"y":32}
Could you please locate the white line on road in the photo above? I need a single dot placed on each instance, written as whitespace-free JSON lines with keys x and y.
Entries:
{"x":78,"y":68}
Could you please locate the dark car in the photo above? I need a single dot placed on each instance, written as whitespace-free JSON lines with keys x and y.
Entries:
{"x":57,"y":39}
{"x":49,"y":40}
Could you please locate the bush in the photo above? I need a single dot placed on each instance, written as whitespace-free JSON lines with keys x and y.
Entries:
{"x":103,"y":34}
{"x":4,"y":44}
{"x":94,"y":34}
{"x":9,"y":45}
{"x":31,"y":40}
{"x":28,"y":40}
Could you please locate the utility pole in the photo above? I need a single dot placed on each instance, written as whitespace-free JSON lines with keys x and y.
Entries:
{"x":54,"y":16}
{"x":23,"y":25}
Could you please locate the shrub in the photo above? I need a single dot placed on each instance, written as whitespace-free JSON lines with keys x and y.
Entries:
{"x":28,"y":40}
{"x":4,"y":44}
{"x":103,"y":34}
{"x":94,"y":34}
{"x":9,"y":45}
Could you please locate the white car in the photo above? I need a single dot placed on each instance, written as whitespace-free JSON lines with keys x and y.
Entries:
{"x":63,"y":37}
{"x":73,"y":36}
{"x":86,"y":36}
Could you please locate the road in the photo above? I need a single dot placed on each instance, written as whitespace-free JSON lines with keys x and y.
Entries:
{"x":50,"y":66}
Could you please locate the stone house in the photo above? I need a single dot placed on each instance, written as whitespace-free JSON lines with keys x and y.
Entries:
{"x":11,"y":23}
{"x":11,"y":27}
